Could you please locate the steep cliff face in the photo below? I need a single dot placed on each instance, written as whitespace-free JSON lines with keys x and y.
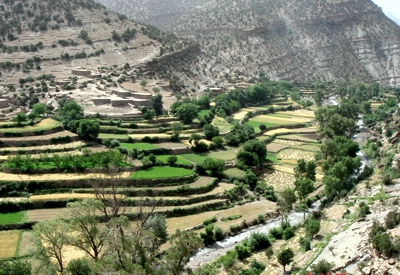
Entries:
{"x":291,"y":39}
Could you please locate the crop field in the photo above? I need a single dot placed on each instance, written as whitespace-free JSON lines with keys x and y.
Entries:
{"x":305,"y":138}
{"x":276,"y":147}
{"x":298,"y":113}
{"x":234,"y":173}
{"x":307,"y":147}
{"x":194,"y":158}
{"x":70,"y":145}
{"x":61,"y":197}
{"x":225,"y":155}
{"x":42,"y":155}
{"x":186,"y":142}
{"x":140,"y":136}
{"x":8,"y":243}
{"x":44,"y":124}
{"x":222,"y":125}
{"x":161,"y":173}
{"x":256,"y":125}
{"x":307,"y":130}
{"x":280,"y":180}
{"x":295,"y":154}
{"x":171,"y":145}
{"x":248,"y":211}
{"x":288,"y":142}
{"x":26,"y":246}
{"x":279,"y":120}
{"x":180,"y":160}
{"x":60,"y":176}
{"x":112,"y":136}
{"x":15,"y":217}
{"x":241,"y":114}
{"x":138,"y":146}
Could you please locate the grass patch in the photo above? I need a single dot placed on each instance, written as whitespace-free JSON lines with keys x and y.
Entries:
{"x":203,"y":113}
{"x":225,"y":155}
{"x":164,"y":159}
{"x":271,"y":158}
{"x":235,"y":173}
{"x":139,"y":146}
{"x":44,"y":124}
{"x":194,"y":158}
{"x":6,"y":218}
{"x":161,"y":173}
{"x":222,"y":125}
{"x":256,"y":124}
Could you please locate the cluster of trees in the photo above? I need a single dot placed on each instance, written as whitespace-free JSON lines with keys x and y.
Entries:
{"x":71,"y":116}
{"x":116,"y":246}
{"x":239,"y":134}
{"x":67,"y":161}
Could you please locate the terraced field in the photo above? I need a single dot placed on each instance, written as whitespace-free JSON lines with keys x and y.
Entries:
{"x":8,"y":243}
{"x":161,"y":173}
{"x":44,"y":124}
{"x":295,"y":154}
{"x":279,"y":180}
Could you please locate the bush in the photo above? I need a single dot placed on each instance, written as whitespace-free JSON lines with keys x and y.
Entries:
{"x":305,"y":243}
{"x":229,"y":259}
{"x":79,"y":267}
{"x":392,"y":219}
{"x":172,"y":160}
{"x":259,"y":241}
{"x":243,"y":251}
{"x":322,"y":267}
{"x":208,"y":236}
{"x":219,"y":233}
{"x":210,"y":221}
{"x":288,"y":233}
{"x":276,"y":232}
{"x":234,"y":228}
{"x":262,"y":127}
{"x":114,"y":143}
{"x":106,"y":142}
{"x":269,"y":252}
{"x":260,"y":218}
{"x":363,"y":210}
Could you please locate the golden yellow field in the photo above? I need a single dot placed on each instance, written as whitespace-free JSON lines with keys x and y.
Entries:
{"x":248,"y":211}
{"x":64,"y":196}
{"x":8,"y":243}
{"x":295,"y":154}
{"x":74,"y":144}
{"x":63,"y":176}
{"x":275,"y":147}
{"x":140,"y":136}
{"x":298,"y":113}
{"x":186,"y":142}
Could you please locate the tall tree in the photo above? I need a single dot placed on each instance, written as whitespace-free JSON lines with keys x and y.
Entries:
{"x":305,"y":169}
{"x":51,"y":236}
{"x":71,"y":112}
{"x":286,"y":200}
{"x":87,"y":234}
{"x":157,"y":104}
{"x":285,"y":257}
{"x":319,"y":98}
{"x":304,"y":186}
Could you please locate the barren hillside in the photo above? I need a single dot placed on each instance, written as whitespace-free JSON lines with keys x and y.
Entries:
{"x":295,"y":39}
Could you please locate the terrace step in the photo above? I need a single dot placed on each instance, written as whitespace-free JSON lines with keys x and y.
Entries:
{"x":38,"y":140}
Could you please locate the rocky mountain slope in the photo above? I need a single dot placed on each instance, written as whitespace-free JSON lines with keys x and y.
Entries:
{"x":295,"y":39}
{"x":54,"y":37}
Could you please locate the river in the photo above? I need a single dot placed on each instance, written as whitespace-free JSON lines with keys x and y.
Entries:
{"x":212,"y":252}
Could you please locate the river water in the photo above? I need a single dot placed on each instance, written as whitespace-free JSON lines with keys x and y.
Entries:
{"x":212,"y":252}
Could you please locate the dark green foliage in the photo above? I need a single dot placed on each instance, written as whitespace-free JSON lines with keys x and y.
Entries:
{"x":305,"y":243}
{"x":312,"y":227}
{"x":16,"y":267}
{"x":322,"y":267}
{"x":363,"y":210}
{"x":210,"y":221}
{"x":87,"y":129}
{"x":375,"y":229}
{"x":243,"y":251}
{"x":211,"y":167}
{"x":71,"y":112}
{"x":228,"y":260}
{"x":276,"y":232}
{"x":187,"y":112}
{"x":208,"y":236}
{"x":392,"y":219}
{"x":172,"y":160}
{"x":255,"y":268}
{"x":79,"y":267}
{"x":384,"y":244}
{"x":210,"y":131}
{"x":157,"y":104}
{"x":253,"y":152}
{"x":285,"y":257}
{"x":288,"y":233}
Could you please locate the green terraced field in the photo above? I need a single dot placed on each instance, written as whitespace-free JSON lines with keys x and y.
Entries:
{"x":161,"y":173}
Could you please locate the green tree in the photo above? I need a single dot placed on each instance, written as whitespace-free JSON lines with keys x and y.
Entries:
{"x":16,"y":267}
{"x":210,"y":131}
{"x":322,"y":267}
{"x":143,"y":83}
{"x":257,"y":147}
{"x":187,"y":112}
{"x":305,"y":169}
{"x":285,"y":257}
{"x":304,"y":186}
{"x":70,"y":112}
{"x":219,"y":141}
{"x":51,"y":236}
{"x":39,"y":109}
{"x":157,"y":104}
{"x":177,"y":127}
{"x":319,"y":97}
{"x":213,"y":167}
{"x":87,"y":129}
{"x":87,"y":235}
{"x":21,"y":117}
{"x":172,"y":160}
{"x":79,"y":267}
{"x":286,"y":200}
{"x":312,"y":227}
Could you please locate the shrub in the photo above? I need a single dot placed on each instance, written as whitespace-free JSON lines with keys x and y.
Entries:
{"x":106,"y":142}
{"x":363,"y":210}
{"x":260,"y":218}
{"x":269,"y":252}
{"x":305,"y":243}
{"x":229,"y":259}
{"x":288,"y":233}
{"x":208,"y":236}
{"x":114,"y":143}
{"x":392,"y":219}
{"x":243,"y":251}
{"x":219,"y":233}
{"x":259,"y":241}
{"x":276,"y":232}
{"x":322,"y":267}
{"x":262,"y":127}
{"x":79,"y":267}
{"x":210,"y":221}
{"x":383,"y":243}
{"x":172,"y":160}
{"x":234,"y":228}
